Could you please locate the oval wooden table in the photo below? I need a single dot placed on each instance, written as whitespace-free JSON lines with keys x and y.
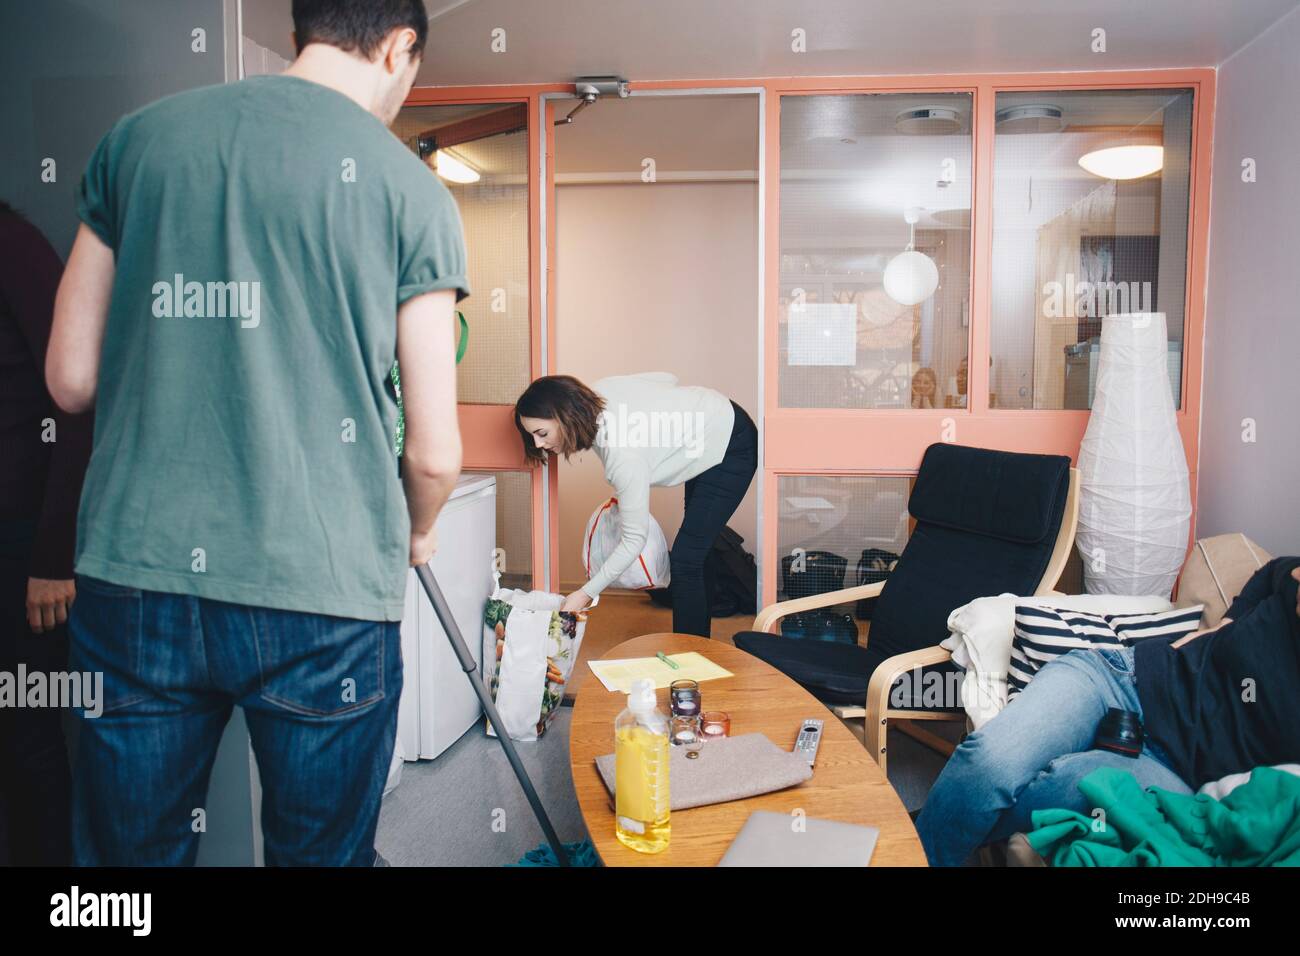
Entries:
{"x":846,"y":785}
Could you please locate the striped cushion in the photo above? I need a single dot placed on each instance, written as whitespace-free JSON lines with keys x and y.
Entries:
{"x":1043,"y":634}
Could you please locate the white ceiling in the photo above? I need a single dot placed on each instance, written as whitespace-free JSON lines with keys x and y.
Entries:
{"x":556,"y":40}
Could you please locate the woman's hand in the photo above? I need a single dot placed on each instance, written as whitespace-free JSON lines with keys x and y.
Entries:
{"x":48,"y":603}
{"x":576,"y":601}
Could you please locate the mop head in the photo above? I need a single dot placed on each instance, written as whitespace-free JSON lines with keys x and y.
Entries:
{"x":581,"y":853}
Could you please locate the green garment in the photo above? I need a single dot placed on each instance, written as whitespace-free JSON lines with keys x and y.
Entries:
{"x":265,"y":234}
{"x":1257,"y":824}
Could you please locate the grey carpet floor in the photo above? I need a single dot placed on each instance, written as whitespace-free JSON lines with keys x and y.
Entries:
{"x":466,"y":809}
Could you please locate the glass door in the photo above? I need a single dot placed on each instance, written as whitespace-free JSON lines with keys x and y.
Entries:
{"x":480,"y":151}
{"x":945,"y":251}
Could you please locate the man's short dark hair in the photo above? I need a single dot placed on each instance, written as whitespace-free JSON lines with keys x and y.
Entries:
{"x":358,"y":26}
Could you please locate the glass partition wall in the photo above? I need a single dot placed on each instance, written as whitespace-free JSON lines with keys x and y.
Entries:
{"x":875,"y":251}
{"x":920,"y":232}
{"x":1090,"y":214}
{"x":937,"y":255}
{"x":480,"y":153}
{"x":874,"y":304}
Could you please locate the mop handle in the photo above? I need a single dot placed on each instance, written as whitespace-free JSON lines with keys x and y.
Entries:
{"x":470,"y":667}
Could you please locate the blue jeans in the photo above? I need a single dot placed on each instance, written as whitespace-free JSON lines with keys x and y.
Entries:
{"x":1033,"y":755}
{"x":319,"y":694}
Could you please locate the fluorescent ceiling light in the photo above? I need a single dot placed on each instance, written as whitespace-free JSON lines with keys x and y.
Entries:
{"x":454,"y":170}
{"x":1124,"y":162}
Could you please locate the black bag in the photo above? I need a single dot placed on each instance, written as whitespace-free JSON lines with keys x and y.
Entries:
{"x":732,"y":573}
{"x":874,"y":565}
{"x":821,"y":571}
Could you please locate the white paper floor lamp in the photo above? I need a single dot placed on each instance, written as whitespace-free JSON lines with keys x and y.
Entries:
{"x":1135,"y":506}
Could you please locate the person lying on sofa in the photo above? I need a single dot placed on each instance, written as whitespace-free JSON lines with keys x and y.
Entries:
{"x":1213,"y":703}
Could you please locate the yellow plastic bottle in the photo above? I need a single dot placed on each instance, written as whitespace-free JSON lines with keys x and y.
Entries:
{"x":641,"y":772}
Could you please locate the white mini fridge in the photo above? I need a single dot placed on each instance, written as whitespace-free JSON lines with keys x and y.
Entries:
{"x":438,"y":705}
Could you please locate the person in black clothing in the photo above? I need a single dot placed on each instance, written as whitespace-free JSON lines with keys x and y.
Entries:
{"x":43,"y":457}
{"x":1213,"y":703}
{"x":1228,"y":700}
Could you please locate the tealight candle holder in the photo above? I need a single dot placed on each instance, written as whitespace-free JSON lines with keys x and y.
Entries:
{"x":685,"y":732}
{"x":684,"y":698}
{"x":714,"y":725}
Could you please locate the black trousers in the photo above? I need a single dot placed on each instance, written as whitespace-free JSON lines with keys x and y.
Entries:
{"x":35,"y":784}
{"x":712,"y":497}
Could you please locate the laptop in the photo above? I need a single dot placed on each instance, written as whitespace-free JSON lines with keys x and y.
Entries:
{"x":773,"y":839}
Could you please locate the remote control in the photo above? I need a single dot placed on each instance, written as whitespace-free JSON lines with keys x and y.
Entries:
{"x":810,"y":738}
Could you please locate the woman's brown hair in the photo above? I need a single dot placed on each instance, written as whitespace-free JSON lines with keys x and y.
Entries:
{"x":566,"y":400}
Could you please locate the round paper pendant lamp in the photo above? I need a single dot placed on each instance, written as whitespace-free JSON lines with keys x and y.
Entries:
{"x":911,"y":277}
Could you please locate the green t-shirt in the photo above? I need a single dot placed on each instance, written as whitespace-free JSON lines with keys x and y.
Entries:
{"x":265,"y":233}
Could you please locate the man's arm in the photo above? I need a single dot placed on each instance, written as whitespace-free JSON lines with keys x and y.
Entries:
{"x":1203,"y":631}
{"x":80,"y":314}
{"x":1295,"y":575}
{"x":431,"y":452}
{"x":1260,"y":587}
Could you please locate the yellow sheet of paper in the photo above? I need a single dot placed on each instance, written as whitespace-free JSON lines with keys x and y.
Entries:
{"x":618,"y":675}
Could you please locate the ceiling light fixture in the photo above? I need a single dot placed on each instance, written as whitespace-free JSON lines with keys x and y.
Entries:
{"x":928,"y":121}
{"x":1124,"y":162}
{"x":911,"y":277}
{"x":1032,"y":118}
{"x":454,"y":170}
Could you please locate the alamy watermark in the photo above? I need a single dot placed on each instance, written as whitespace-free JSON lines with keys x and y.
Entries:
{"x":948,"y":689}
{"x":623,"y":427}
{"x":208,"y":300}
{"x":1093,"y":300}
{"x":133,"y":911}
{"x":58,"y":689}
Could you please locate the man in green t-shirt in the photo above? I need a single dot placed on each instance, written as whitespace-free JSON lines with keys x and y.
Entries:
{"x":252,"y":259}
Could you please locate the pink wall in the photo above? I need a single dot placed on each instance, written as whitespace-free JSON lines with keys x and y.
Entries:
{"x":654,"y":277}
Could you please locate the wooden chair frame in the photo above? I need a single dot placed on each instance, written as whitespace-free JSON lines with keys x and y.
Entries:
{"x":877,"y":711}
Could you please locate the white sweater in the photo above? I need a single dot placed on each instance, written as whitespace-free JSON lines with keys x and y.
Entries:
{"x":653,"y":432}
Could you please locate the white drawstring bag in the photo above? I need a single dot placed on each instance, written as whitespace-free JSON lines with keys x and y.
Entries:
{"x":529,"y":649}
{"x":605,"y":530}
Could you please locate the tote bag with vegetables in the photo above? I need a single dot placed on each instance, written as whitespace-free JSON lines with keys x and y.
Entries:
{"x":529,"y":649}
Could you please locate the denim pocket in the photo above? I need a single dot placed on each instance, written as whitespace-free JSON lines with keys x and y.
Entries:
{"x":319,"y":666}
{"x":1119,"y":659}
{"x":107,"y":633}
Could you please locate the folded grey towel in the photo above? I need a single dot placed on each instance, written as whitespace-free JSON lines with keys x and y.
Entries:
{"x":729,"y":769}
